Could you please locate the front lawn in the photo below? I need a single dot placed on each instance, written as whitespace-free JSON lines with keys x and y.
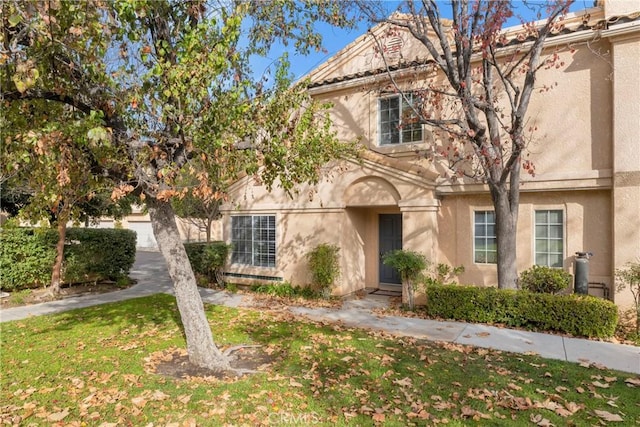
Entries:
{"x":87,"y":367}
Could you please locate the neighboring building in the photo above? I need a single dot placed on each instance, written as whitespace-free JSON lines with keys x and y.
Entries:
{"x":585,"y":195}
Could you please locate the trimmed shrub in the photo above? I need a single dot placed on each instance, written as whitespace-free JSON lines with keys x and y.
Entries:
{"x":324,"y":264}
{"x":26,"y":257}
{"x":208,"y":259}
{"x":544,"y":280}
{"x":578,"y":315}
{"x":28,"y":254}
{"x":98,"y":253}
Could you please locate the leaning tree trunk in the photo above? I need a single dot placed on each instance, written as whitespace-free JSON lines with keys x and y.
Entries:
{"x":56,"y":274}
{"x":202,"y":350}
{"x":506,"y":227}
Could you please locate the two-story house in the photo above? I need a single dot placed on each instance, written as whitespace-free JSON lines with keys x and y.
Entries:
{"x":585,"y":195}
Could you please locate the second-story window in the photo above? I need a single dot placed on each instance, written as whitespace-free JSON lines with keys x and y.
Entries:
{"x":398,"y":123}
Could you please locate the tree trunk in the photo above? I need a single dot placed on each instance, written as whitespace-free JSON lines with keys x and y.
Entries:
{"x":56,"y":274}
{"x":200,"y":346}
{"x":506,"y":226}
{"x":208,"y":231}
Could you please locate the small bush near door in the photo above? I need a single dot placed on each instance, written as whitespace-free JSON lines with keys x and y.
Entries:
{"x":410,"y":265}
{"x":324,"y":264}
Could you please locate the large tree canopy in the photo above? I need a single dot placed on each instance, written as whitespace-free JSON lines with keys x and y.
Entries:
{"x":165,"y":83}
{"x":475,"y":92}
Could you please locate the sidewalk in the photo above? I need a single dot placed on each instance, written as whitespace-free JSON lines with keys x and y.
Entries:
{"x":152,"y":278}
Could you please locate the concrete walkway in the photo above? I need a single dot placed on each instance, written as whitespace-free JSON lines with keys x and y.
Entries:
{"x":150,"y":272}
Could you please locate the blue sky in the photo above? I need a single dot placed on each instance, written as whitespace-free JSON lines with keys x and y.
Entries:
{"x":334,"y":39}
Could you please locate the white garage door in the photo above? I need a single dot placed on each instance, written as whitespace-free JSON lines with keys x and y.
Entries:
{"x":145,"y":238}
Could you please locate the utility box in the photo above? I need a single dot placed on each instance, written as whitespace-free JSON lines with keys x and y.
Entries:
{"x":581,"y":273}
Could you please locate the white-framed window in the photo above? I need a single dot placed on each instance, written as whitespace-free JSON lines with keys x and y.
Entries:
{"x":549,"y":237}
{"x":398,"y":123}
{"x":254,"y":240}
{"x":485,"y":243}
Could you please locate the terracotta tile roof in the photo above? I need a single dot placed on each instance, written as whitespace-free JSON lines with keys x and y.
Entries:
{"x":514,"y":38}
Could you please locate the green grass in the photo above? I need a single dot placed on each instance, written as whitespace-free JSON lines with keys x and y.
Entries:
{"x":86,"y":367}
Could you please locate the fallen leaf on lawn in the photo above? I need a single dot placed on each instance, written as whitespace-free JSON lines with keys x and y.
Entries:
{"x":547,"y":404}
{"x":294,"y":383}
{"x":347,"y":359}
{"x":185,"y":398}
{"x":140,"y":401}
{"x":612,"y":403}
{"x":560,"y":389}
{"x":610,"y":379}
{"x":599,"y":384}
{"x":540,"y":421}
{"x":378,"y":417}
{"x":608,"y":416}
{"x":159,"y":395}
{"x":405,"y":382}
{"x":58,"y":416}
{"x":573,"y":407}
{"x":632,"y":382}
{"x":580,"y":390}
{"x":513,"y":386}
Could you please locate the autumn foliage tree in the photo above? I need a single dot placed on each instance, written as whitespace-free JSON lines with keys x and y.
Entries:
{"x":171,"y":82}
{"x":58,"y":165}
{"x":476,"y":92}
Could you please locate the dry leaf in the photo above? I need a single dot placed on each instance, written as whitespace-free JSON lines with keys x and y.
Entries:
{"x":294,"y":383}
{"x":540,"y":421}
{"x":633,"y":382}
{"x":482,"y":334}
{"x":58,"y":416}
{"x":405,"y":382}
{"x":140,"y":402}
{"x":599,"y":384}
{"x":378,"y":418}
{"x":608,"y":416}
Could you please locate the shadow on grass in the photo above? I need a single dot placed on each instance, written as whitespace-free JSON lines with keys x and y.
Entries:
{"x":137,"y":313}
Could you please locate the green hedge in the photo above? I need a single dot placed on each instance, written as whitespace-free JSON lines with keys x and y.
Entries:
{"x":208,"y":259}
{"x":577,"y":315}
{"x":28,"y":255}
{"x":105,"y":253}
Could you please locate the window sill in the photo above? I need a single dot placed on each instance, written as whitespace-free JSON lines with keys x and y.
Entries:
{"x":407,"y":147}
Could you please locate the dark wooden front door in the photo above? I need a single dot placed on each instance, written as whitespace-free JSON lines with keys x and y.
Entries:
{"x":390,"y":228}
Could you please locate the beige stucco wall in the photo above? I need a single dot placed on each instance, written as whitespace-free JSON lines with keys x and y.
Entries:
{"x":626,"y":158}
{"x":587,"y":228}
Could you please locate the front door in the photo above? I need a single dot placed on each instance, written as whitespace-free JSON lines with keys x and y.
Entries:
{"x":390,"y":228}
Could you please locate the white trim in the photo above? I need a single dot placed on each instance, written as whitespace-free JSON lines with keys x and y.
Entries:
{"x":473,"y":234}
{"x":548,"y":208}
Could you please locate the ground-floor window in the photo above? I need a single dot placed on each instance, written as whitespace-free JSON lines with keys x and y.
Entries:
{"x":254,"y":240}
{"x":485,"y":244}
{"x":549,"y":238}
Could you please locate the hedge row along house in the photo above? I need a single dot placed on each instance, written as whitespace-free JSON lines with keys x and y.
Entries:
{"x":584,"y":195}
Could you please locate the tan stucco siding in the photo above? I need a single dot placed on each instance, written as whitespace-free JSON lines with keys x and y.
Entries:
{"x":573,"y":117}
{"x":626,"y":168}
{"x":587,"y":228}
